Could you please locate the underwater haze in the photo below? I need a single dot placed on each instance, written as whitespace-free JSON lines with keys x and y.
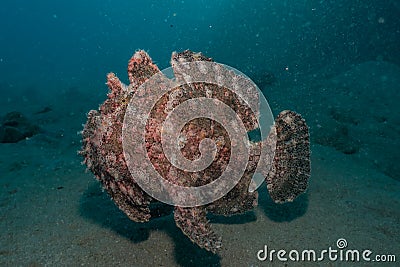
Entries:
{"x":70,"y":42}
{"x":337,"y":63}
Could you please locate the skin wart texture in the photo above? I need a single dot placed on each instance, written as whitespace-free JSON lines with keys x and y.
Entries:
{"x":102,"y":150}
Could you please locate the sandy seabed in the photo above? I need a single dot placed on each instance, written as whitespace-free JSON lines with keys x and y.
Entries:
{"x":53,"y":213}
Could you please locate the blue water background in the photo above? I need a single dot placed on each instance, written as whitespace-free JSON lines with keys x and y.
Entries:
{"x":55,"y":44}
